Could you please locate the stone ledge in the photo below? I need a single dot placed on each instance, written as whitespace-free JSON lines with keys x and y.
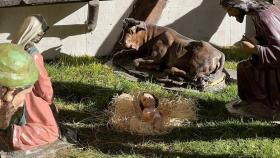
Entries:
{"x":46,"y":151}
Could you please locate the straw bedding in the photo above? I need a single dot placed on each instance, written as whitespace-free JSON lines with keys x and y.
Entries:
{"x":126,"y":114}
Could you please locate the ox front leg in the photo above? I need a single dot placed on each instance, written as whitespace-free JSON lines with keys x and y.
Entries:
{"x":146,"y":64}
{"x":174,"y":71}
{"x":153,"y":61}
{"x":93,"y":9}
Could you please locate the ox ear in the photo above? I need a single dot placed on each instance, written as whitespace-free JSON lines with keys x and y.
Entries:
{"x":181,"y":53}
{"x":191,"y":47}
{"x":141,"y":26}
{"x":124,"y":25}
{"x":194,"y":46}
{"x":129,"y":22}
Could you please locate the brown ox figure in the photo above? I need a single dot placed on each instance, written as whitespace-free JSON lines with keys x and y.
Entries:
{"x":162,"y":48}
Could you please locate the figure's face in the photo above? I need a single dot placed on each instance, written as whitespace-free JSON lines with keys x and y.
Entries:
{"x":236,"y":13}
{"x":148,"y":100}
{"x":38,"y":37}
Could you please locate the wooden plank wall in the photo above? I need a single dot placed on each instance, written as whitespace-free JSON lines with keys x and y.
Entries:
{"x":11,"y":3}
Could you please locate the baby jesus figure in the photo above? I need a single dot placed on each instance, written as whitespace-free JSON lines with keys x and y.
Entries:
{"x":150,"y":113}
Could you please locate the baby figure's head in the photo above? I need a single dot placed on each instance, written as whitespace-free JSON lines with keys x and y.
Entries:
{"x":148,"y":100}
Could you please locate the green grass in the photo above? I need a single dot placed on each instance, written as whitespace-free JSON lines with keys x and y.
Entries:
{"x":83,"y":90}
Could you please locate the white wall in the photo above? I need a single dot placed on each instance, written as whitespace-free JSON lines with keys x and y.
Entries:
{"x":203,"y":20}
{"x":198,"y":19}
{"x":68,"y":33}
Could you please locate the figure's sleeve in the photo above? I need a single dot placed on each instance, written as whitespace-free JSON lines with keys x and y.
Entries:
{"x":43,"y":87}
{"x":269,"y":54}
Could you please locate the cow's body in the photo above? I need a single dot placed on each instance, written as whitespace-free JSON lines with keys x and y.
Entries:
{"x":162,"y":47}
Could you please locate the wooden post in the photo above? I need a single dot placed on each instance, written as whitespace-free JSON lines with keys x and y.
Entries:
{"x":93,"y":9}
{"x":148,"y":10}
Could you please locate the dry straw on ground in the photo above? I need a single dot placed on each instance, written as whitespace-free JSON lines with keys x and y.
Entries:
{"x":126,"y":114}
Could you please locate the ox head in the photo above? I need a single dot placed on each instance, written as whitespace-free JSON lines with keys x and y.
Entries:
{"x":134,"y":32}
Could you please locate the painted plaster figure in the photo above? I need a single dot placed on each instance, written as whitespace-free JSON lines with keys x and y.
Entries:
{"x":150,"y":113}
{"x":34,"y":125}
{"x":258,"y":77}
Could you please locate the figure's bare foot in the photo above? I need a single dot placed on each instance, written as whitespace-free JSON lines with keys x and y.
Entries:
{"x":252,"y":110}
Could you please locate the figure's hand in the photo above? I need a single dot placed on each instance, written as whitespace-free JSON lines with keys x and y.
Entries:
{"x":19,"y":98}
{"x":9,"y":104}
{"x":6,"y":108}
{"x":249,"y":47}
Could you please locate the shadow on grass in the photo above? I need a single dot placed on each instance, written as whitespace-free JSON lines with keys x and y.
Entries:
{"x":222,"y":132}
{"x":212,"y":105}
{"x":157,"y":152}
{"x":212,"y":109}
{"x":89,"y":95}
{"x":94,"y":133}
{"x":77,"y":61}
{"x":101,"y":137}
{"x":98,"y":98}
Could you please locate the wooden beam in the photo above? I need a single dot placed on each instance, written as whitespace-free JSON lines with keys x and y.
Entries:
{"x":156,"y":12}
{"x":20,"y":3}
{"x":148,"y":10}
{"x":93,"y":7}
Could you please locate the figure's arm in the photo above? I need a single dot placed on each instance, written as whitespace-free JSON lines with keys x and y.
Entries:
{"x":43,"y":87}
{"x":269,"y":54}
{"x":268,"y":51}
{"x":157,"y":121}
